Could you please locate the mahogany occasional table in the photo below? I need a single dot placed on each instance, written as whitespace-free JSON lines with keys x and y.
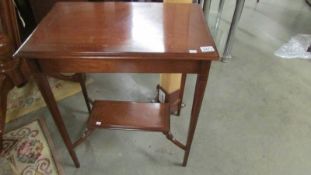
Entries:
{"x":119,"y":37}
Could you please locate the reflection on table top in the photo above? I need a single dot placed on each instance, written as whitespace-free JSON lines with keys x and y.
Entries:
{"x":120,"y":30}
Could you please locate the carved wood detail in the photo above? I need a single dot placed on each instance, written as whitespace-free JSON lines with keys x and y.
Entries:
{"x":9,"y":22}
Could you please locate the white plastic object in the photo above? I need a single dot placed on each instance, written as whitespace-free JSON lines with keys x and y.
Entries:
{"x":296,"y":47}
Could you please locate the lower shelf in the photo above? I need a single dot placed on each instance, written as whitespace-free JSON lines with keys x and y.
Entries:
{"x":131,"y":116}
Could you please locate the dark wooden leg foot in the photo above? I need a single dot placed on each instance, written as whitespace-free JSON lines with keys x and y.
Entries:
{"x":49,"y":99}
{"x":171,"y":138}
{"x":196,"y":106}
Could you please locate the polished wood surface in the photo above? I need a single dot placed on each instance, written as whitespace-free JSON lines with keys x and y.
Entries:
{"x":116,"y":30}
{"x":119,"y":66}
{"x":120,"y":37}
{"x":174,"y":83}
{"x":131,"y":116}
{"x":9,"y":22}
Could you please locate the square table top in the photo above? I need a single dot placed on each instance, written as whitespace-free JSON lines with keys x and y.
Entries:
{"x":121,"y":30}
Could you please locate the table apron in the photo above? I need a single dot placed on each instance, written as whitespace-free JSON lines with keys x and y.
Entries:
{"x":119,"y":66}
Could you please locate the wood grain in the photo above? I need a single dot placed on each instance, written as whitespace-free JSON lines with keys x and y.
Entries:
{"x":121,"y":37}
{"x":118,"y":30}
{"x":131,"y":116}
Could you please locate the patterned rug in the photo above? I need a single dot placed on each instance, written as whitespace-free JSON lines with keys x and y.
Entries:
{"x":28,"y":98}
{"x":30,"y":151}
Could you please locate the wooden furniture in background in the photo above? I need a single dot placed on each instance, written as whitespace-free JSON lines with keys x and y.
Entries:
{"x":143,"y":38}
{"x":10,"y":76}
{"x":10,"y":72}
{"x":15,"y":72}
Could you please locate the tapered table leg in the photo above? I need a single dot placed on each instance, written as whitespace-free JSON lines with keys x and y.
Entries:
{"x":181,"y":92}
{"x":82,"y":81}
{"x":49,"y":99}
{"x":196,"y":106}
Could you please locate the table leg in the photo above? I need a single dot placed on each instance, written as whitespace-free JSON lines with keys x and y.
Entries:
{"x":234,"y":24}
{"x":200,"y":86}
{"x":81,"y":79}
{"x":181,"y":92}
{"x":49,"y":99}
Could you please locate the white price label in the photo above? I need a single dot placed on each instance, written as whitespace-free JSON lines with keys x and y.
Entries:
{"x":205,"y":49}
{"x":193,"y":51}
